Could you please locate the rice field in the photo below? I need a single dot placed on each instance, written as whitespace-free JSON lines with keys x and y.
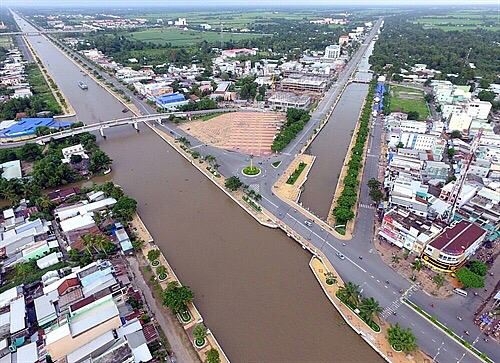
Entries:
{"x":461,"y":20}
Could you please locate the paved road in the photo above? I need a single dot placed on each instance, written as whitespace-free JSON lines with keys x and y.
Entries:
{"x":375,"y":278}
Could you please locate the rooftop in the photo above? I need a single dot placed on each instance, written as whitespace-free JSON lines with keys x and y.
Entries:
{"x":458,"y":238}
{"x":28,"y":126}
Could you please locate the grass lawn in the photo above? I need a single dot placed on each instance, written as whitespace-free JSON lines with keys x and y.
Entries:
{"x":178,"y":37}
{"x":207,"y":116}
{"x":6,"y":42}
{"x":40,"y":87}
{"x":408,"y":99}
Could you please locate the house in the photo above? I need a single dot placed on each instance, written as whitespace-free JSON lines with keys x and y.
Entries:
{"x":407,"y":230}
{"x":81,"y":221}
{"x":123,"y":239}
{"x":343,"y":40}
{"x":24,"y":92}
{"x":64,"y":212}
{"x":332,"y":51}
{"x":233,"y":53}
{"x":451,"y":249}
{"x":410,"y":194}
{"x":467,"y":192}
{"x":91,"y":321}
{"x":284,"y":100}
{"x":436,"y":170}
{"x":75,"y":150}
{"x":49,"y":260}
{"x":45,"y":309}
{"x":28,"y":353}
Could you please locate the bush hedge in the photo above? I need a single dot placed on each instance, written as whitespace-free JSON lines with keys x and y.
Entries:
{"x":343,"y":211}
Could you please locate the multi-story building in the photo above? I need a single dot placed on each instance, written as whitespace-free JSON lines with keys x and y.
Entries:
{"x":304,"y":84}
{"x":436,"y":170}
{"x":284,"y":100}
{"x":459,"y":121}
{"x":479,"y":109}
{"x":411,"y":195}
{"x":451,"y":249}
{"x":407,"y":230}
{"x":332,"y":51}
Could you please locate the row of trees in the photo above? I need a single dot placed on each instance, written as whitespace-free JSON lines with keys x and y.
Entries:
{"x":343,"y":211}
{"x":295,"y":122}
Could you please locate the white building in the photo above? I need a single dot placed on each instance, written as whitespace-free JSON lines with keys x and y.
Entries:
{"x":459,"y":121}
{"x":413,"y":126}
{"x":69,"y":151}
{"x":180,"y":22}
{"x":332,"y":51}
{"x":479,"y":109}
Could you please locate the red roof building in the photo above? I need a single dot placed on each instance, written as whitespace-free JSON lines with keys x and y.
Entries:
{"x":450,"y":249}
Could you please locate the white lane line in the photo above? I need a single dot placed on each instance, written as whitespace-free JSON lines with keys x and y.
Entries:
{"x":347,"y":258}
{"x":385,"y":286}
{"x":372,"y":277}
{"x":404,"y":317}
{"x":394,"y":292}
{"x":423,"y":332}
{"x":412,"y":324}
{"x":444,"y":349}
{"x":197,"y":146}
{"x":378,"y":280}
{"x":433,"y":340}
{"x":274,"y":205}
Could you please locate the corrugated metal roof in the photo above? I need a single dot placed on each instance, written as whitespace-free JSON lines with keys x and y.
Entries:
{"x":17,"y":315}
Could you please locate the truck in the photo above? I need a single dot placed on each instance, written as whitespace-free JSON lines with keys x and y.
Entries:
{"x":82,"y":85}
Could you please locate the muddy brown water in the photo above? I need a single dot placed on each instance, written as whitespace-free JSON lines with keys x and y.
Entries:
{"x":330,"y":148}
{"x":252,"y":284}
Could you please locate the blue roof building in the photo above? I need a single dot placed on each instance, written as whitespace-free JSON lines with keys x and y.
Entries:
{"x":26,"y":128}
{"x":171,"y":101}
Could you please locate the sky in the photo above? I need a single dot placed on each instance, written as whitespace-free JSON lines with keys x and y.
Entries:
{"x":246,"y":3}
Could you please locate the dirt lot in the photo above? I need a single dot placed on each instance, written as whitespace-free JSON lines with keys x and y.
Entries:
{"x":246,"y":132}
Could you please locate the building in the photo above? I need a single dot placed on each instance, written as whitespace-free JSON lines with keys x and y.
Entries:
{"x":233,"y":53}
{"x":151,"y":90}
{"x":411,"y":195}
{"x":304,"y":84}
{"x":26,"y":128}
{"x":332,"y":51}
{"x":69,"y":151}
{"x":450,"y":249}
{"x":467,"y":192}
{"x":436,"y":170}
{"x":284,"y":100}
{"x":343,"y":40}
{"x":171,"y":101}
{"x":460,"y":122}
{"x":479,"y":109}
{"x":407,"y":230}
{"x":11,"y":170}
{"x":180,"y":22}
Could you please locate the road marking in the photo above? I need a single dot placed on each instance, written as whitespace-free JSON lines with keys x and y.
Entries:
{"x":347,"y":258}
{"x":404,"y":317}
{"x":197,"y":146}
{"x":433,"y":340}
{"x":444,"y":349}
{"x":372,"y":277}
{"x":275,"y":206}
{"x":412,"y":324}
{"x":423,"y":332}
{"x":385,"y":286}
{"x":378,"y":280}
{"x":394,"y":292}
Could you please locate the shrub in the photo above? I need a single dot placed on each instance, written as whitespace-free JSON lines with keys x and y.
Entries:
{"x":469,"y":278}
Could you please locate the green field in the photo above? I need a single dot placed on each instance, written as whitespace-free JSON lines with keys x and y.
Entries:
{"x":461,"y":20}
{"x":408,"y":99}
{"x":6,"y":42}
{"x":233,"y":19}
{"x":40,"y":87}
{"x":178,"y":37}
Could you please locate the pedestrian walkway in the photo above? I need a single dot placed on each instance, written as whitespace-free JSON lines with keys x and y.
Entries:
{"x":367,"y":206}
{"x":397,"y":303}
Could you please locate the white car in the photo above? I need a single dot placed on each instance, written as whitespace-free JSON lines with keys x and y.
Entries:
{"x":307,"y":223}
{"x":341,"y":256}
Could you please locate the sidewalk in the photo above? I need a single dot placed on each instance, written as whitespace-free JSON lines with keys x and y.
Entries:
{"x":292,"y":192}
{"x":377,"y":340}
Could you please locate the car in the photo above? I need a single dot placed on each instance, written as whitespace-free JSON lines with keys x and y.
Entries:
{"x":125,"y":110}
{"x":341,"y":256}
{"x":307,"y":223}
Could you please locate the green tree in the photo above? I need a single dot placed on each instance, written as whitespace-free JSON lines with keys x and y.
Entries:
{"x":25,"y":269}
{"x":400,"y":145}
{"x":487,"y":96}
{"x":330,"y":278}
{"x":124,"y":209}
{"x":350,"y":293}
{"x":233,"y":183}
{"x":343,"y":214}
{"x":75,"y":159}
{"x":413,"y":115}
{"x":376,"y":195}
{"x":416,"y":265}
{"x":212,"y":356}
{"x":153,"y":255}
{"x":137,"y":244}
{"x":469,"y":278}
{"x":74,"y":254}
{"x":402,"y":339}
{"x":478,"y":267}
{"x":99,"y":161}
{"x":374,"y":184}
{"x":439,"y":280}
{"x":161,"y":270}
{"x":451,"y":152}
{"x":370,"y":308}
{"x":346,"y":201}
{"x":30,"y":152}
{"x":200,"y":333}
{"x":177,"y":297}
{"x":456,"y":134}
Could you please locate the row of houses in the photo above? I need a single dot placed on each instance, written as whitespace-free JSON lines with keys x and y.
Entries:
{"x":417,"y":214}
{"x":13,"y":76}
{"x":72,"y":313}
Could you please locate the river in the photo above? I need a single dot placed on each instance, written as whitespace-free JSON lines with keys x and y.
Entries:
{"x":252,"y":284}
{"x":332,"y":143}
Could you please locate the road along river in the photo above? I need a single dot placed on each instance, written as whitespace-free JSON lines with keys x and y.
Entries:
{"x":253,"y":285}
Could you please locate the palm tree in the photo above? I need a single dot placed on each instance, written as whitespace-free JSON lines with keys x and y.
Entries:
{"x":350,"y":293}
{"x":402,"y":339}
{"x":439,"y":280}
{"x":330,"y":278}
{"x":216,"y":166}
{"x":395,"y":259}
{"x":370,"y":307}
{"x":45,"y":203}
{"x":416,"y":265}
{"x":88,"y":242}
{"x":257,"y":197}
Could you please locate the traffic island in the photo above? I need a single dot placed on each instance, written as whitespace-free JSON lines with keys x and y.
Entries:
{"x":289,"y":185}
{"x":251,"y":171}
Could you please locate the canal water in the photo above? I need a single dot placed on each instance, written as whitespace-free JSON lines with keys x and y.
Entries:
{"x":253,"y":285}
{"x":332,"y":143}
